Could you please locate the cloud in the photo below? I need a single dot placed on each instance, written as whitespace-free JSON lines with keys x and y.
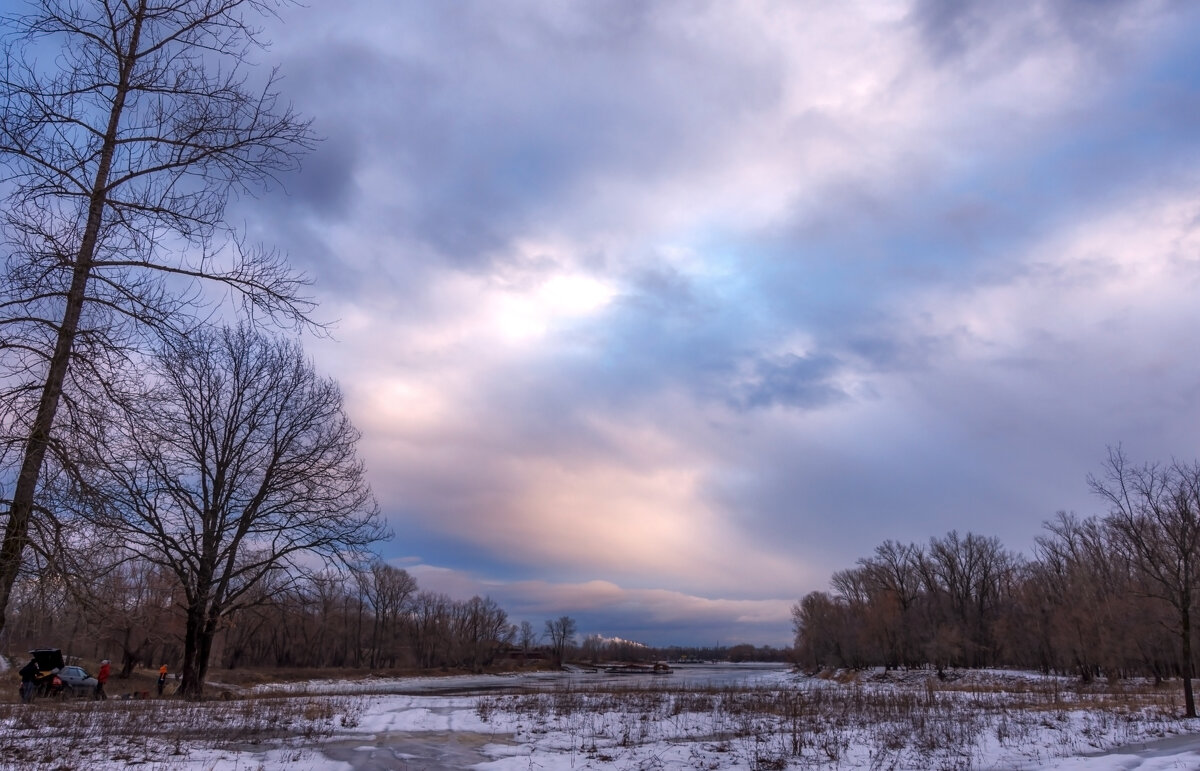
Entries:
{"x":468,"y":137}
{"x":795,"y":381}
{"x":997,"y":33}
{"x":709,"y":299}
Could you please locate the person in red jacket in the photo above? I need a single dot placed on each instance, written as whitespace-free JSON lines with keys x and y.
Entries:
{"x":101,"y":679}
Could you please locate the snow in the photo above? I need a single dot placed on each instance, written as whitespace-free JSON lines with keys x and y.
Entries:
{"x":999,"y":720}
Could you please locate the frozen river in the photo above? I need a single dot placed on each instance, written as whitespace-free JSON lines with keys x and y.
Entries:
{"x":682,"y":675}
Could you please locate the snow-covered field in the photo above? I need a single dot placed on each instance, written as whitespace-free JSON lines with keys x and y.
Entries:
{"x":697,"y":718}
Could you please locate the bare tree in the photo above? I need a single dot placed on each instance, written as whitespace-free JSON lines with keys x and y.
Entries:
{"x":481,"y":631}
{"x":240,"y":465}
{"x":561,"y":633}
{"x":591,"y":648}
{"x":1090,"y":619}
{"x":527,"y":638}
{"x":966,"y":580}
{"x":818,"y":621}
{"x":389,"y":590}
{"x":1155,"y":517}
{"x":430,"y":623}
{"x":859,"y":643}
{"x":895,"y":585}
{"x":125,"y":125}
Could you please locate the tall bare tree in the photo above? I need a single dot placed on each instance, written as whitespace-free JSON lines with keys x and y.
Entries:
{"x":239,"y":465}
{"x":966,"y":579}
{"x":125,"y":125}
{"x":896,"y":583}
{"x":1083,"y":584}
{"x":1155,"y":516}
{"x":561,"y":634}
{"x":819,"y":621}
{"x":429,"y":627}
{"x":527,"y":638}
{"x":389,"y":590}
{"x":481,"y":630}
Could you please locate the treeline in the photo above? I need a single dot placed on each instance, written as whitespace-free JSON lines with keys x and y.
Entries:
{"x":376,"y":618}
{"x":1079,"y":606}
{"x":1112,"y":596}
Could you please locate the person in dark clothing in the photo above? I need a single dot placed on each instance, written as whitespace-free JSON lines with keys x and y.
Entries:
{"x":162,"y":679}
{"x":28,"y":674}
{"x":101,"y":679}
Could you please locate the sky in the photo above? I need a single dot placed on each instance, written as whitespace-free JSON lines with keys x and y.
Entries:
{"x":655,"y":314}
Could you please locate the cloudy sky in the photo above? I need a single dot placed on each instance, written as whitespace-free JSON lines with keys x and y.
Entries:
{"x":656,"y":313}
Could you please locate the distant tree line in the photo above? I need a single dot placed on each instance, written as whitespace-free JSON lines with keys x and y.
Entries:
{"x":1105,"y":596}
{"x":376,"y":617}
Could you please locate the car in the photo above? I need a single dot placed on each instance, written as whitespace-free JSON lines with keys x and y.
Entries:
{"x":76,"y":681}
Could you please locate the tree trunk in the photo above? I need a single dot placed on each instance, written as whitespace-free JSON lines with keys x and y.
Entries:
{"x":192,"y":672}
{"x":1185,"y":640}
{"x":200,"y":631}
{"x":20,"y":511}
{"x":127,"y":661}
{"x":203,"y":652}
{"x":129,"y":657}
{"x":358,"y":637}
{"x":16,"y":531}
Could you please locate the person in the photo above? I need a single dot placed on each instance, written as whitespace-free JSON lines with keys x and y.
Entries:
{"x":162,"y":678}
{"x":28,"y":674}
{"x":101,"y":679}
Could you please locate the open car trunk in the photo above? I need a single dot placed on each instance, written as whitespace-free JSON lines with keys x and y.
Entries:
{"x":48,"y":659}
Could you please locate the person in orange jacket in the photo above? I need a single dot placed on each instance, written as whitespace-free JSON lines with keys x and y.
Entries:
{"x":101,"y":679}
{"x":162,"y":678}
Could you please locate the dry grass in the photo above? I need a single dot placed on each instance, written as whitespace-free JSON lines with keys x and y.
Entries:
{"x":79,"y":733}
{"x":911,"y":720}
{"x":929,"y":724}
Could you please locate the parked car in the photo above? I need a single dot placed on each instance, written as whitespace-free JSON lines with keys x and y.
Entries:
{"x":76,"y":681}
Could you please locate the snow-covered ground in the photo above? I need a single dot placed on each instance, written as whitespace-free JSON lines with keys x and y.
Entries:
{"x":697,"y":718}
